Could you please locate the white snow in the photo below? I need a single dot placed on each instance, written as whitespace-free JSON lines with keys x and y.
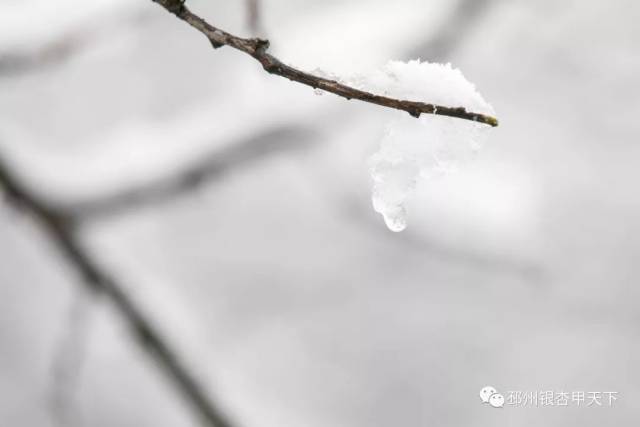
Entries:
{"x":415,"y":150}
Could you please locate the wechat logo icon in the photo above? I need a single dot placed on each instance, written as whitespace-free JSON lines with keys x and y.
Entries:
{"x":491,"y":396}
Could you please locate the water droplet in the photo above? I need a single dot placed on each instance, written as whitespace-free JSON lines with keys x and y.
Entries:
{"x":395,"y":223}
{"x":395,"y":218}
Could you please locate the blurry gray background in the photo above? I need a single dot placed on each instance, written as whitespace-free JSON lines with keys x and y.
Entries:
{"x":277,"y":284}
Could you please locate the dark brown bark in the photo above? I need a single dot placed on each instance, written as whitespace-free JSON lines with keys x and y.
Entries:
{"x":257,"y":48}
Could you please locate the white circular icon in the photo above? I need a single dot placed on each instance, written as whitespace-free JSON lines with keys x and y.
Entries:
{"x":486,"y":393}
{"x":496,"y":400}
{"x":490,"y":395}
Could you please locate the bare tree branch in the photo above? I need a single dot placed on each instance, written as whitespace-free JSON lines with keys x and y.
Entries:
{"x":257,"y":48}
{"x":209,"y":166}
{"x":61,"y":229}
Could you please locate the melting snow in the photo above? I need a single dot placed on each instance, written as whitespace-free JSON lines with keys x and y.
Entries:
{"x":416,"y":150}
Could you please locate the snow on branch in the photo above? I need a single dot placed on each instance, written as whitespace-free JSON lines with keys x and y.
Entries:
{"x":257,"y":48}
{"x":415,"y":151}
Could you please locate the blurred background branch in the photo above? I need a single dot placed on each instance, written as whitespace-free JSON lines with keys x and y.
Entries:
{"x":254,"y":17}
{"x":69,"y":357}
{"x":239,"y":154}
{"x":454,"y":31}
{"x":61,"y":228}
{"x":19,"y":62}
{"x":60,"y":48}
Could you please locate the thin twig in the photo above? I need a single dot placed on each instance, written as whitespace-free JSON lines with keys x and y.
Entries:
{"x":61,"y":229}
{"x":257,"y":48}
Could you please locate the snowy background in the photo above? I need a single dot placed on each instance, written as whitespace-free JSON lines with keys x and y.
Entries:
{"x":276,"y":281}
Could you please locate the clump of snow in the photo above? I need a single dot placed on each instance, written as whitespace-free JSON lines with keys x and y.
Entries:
{"x":414,"y":150}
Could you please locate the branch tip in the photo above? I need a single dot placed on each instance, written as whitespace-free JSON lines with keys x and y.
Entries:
{"x":257,"y":47}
